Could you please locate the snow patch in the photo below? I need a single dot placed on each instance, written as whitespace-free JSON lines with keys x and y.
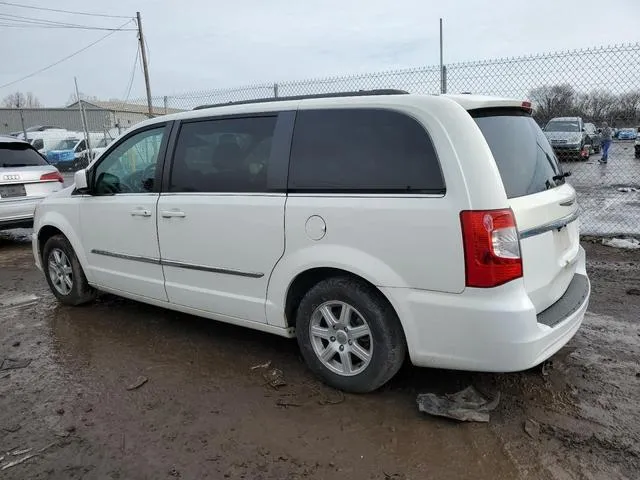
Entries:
{"x":626,"y":243}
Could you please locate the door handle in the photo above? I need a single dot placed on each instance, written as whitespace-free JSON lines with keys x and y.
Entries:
{"x":140,"y":212}
{"x":172,"y":213}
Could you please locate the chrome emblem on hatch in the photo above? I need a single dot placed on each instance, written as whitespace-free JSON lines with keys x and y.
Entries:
{"x":11,"y":177}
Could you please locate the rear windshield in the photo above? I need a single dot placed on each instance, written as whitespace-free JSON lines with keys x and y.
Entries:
{"x":522,"y":152}
{"x":14,"y":155}
{"x":562,"y":126}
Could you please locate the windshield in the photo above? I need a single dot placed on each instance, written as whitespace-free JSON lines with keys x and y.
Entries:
{"x":562,"y":126}
{"x":67,"y":144}
{"x":522,"y":153}
{"x":14,"y":155}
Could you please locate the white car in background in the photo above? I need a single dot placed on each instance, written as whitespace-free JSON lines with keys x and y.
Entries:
{"x":25,"y":179}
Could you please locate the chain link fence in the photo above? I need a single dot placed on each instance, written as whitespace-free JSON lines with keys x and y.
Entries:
{"x":598,"y":85}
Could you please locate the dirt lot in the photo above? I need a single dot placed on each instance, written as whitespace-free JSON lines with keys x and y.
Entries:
{"x":205,"y":413}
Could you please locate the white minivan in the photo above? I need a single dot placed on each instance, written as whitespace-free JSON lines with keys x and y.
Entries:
{"x":368,"y":225}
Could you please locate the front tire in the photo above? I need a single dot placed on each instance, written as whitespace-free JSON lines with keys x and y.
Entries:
{"x":64,"y":273}
{"x":349,"y":335}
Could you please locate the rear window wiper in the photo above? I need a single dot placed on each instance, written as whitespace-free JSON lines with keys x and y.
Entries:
{"x":561,"y":176}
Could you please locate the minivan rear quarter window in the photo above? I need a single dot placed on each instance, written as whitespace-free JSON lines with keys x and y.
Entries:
{"x":362,"y":151}
{"x":522,"y":152}
{"x":19,"y":155}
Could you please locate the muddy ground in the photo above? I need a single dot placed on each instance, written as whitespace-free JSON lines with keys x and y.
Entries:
{"x":205,"y":413}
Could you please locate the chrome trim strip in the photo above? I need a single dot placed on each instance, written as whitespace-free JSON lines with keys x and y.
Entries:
{"x":547,"y":227}
{"x":136,"y":258}
{"x":172,"y":263}
{"x":203,"y":268}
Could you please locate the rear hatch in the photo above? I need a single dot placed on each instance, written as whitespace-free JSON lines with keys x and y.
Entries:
{"x":24,"y":173}
{"x":544,"y":205}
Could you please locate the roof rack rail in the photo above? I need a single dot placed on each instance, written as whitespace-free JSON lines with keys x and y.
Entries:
{"x":358,"y":93}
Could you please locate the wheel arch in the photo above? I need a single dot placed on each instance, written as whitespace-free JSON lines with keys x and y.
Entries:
{"x":55,"y":224}
{"x":306,"y":279}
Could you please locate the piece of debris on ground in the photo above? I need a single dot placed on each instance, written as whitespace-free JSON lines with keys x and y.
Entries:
{"x":532,"y":428}
{"x":140,"y":381}
{"x":275,"y":378}
{"x":261,"y":365}
{"x":467,"y":405}
{"x":14,"y":363}
{"x":17,"y":462}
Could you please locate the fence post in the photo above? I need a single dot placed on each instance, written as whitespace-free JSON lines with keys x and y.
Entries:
{"x":275,"y":90}
{"x":166,"y":102}
{"x":444,"y":79}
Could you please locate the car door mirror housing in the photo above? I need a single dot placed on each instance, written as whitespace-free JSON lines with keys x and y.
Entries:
{"x":80,"y":180}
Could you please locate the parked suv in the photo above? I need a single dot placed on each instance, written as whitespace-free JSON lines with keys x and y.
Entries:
{"x":568,"y":137}
{"x":25,"y":179}
{"x":368,"y":226}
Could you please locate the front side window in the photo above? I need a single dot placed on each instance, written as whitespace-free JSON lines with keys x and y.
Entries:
{"x":80,"y":147}
{"x":362,"y":150}
{"x":131,"y":166}
{"x":38,"y":144}
{"x":226,"y":155}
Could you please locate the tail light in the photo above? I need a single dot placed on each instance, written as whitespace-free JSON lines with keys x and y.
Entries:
{"x":491,"y":247}
{"x":52,"y":177}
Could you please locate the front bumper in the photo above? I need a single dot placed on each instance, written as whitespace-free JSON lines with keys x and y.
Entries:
{"x":491,"y":330}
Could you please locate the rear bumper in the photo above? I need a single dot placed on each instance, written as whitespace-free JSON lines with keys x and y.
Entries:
{"x":494,"y":330}
{"x":18,"y":212}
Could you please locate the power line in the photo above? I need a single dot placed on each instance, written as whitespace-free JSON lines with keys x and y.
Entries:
{"x":65,"y":58}
{"x":63,"y":11}
{"x":133,"y":74}
{"x":40,"y":22}
{"x":16,"y":25}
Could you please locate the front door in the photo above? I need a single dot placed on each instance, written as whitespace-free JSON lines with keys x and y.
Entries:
{"x":220,"y":224}
{"x":118,"y":219}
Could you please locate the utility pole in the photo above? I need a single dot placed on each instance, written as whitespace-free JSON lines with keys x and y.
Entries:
{"x":84,"y":122}
{"x":24,"y":130}
{"x":144,"y":64}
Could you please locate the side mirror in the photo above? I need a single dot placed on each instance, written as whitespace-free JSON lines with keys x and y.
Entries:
{"x":583,"y":129}
{"x":80,"y":179}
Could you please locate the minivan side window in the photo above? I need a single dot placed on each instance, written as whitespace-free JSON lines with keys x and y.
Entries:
{"x":223,"y":155}
{"x":131,"y":166}
{"x":362,"y":151}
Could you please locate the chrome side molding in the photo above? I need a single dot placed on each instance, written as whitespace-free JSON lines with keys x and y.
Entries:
{"x":173,"y":263}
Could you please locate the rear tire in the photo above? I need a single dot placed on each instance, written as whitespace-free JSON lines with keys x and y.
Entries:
{"x":64,"y":273}
{"x":357,"y":344}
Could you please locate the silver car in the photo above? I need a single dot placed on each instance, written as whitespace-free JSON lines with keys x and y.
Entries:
{"x":25,"y":179}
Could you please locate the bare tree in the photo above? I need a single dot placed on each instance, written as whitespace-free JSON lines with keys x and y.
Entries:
{"x":73,"y":98}
{"x":600,"y":105}
{"x":551,"y":101}
{"x":628,"y":107}
{"x":20,"y":100}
